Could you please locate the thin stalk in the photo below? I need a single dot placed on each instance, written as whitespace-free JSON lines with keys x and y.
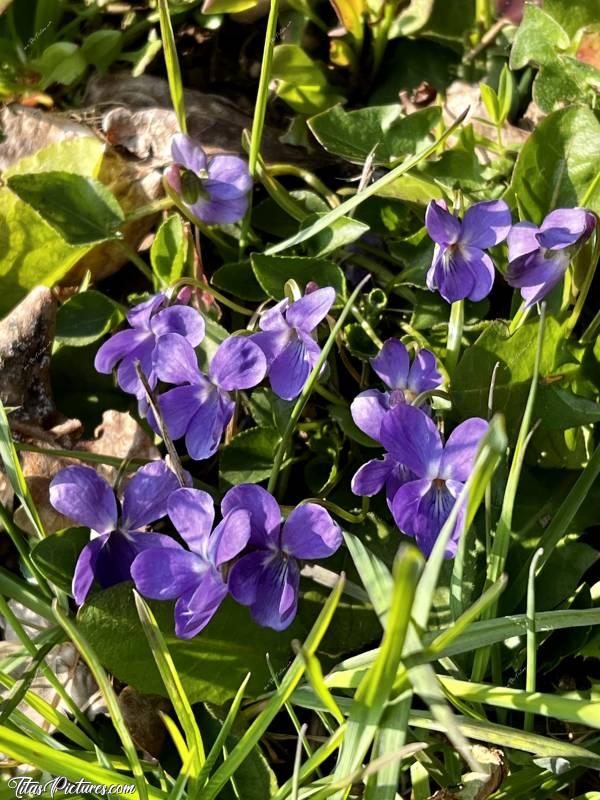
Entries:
{"x":309,"y":386}
{"x":327,"y":394}
{"x":172,"y":64}
{"x":531,"y":634}
{"x":135,"y":259}
{"x":18,"y":538}
{"x":366,"y":327}
{"x":309,"y":178}
{"x":258,"y":121}
{"x":455,"y":331}
{"x":152,"y":208}
{"x":83,"y":455}
{"x":217,"y":295}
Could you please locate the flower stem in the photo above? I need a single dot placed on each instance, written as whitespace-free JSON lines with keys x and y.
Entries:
{"x":217,"y":295}
{"x":309,"y":178}
{"x":309,"y":386}
{"x":531,"y":634}
{"x":455,"y":330}
{"x":136,"y":259}
{"x":152,"y":208}
{"x":83,"y":455}
{"x":367,"y":327}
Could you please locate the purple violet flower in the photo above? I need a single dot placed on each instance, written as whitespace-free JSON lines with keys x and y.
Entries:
{"x":267,"y":578}
{"x":192,"y":577}
{"x":460,"y":268}
{"x":288,"y":340}
{"x":201,"y":409}
{"x":82,"y":495}
{"x":539,"y":257}
{"x":422,"y":504}
{"x":149,"y":321}
{"x":405,"y":381}
{"x":215,"y":188}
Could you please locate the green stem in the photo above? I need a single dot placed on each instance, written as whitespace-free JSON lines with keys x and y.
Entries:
{"x":309,"y":386}
{"x":367,"y":328}
{"x":531,"y":634}
{"x":519,"y":318}
{"x":455,"y":331}
{"x":205,"y":287}
{"x":258,"y":121}
{"x":337,"y":400}
{"x":309,"y":178}
{"x":83,"y":455}
{"x":135,"y":259}
{"x":152,"y":208}
{"x":18,"y":538}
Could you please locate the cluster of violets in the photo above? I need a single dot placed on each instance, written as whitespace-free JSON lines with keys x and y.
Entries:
{"x":538,"y":257}
{"x":252,"y":553}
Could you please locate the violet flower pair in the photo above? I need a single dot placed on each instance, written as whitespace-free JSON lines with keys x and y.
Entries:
{"x":538,"y":256}
{"x":265,"y":577}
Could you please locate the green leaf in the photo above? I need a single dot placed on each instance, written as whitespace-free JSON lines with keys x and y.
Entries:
{"x":248,"y":458}
{"x":573,"y":15}
{"x":102,"y":47}
{"x":301,"y":82}
{"x":80,"y":208}
{"x":560,"y":409}
{"x":168,"y":251}
{"x":211,"y":666}
{"x":537,"y":39}
{"x":239,"y":280}
{"x":490,"y":101}
{"x":516,"y":356}
{"x":85,"y":318}
{"x":227,"y":6}
{"x":272,"y":273}
{"x":62,"y":62}
{"x":56,"y":555}
{"x":32,"y":252}
{"x":341,"y":232}
{"x":353,"y":135}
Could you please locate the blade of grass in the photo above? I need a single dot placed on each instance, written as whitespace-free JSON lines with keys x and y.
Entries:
{"x":310,"y":765}
{"x":531,"y":669}
{"x":109,"y":695}
{"x":376,"y":687}
{"x":353,"y":202}
{"x":172,"y":64}
{"x":173,"y":685}
{"x":390,"y":738}
{"x":309,"y":385}
{"x":258,"y":728}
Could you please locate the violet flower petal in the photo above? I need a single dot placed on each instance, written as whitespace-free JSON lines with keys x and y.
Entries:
{"x":481,"y":267}
{"x":119,"y":346}
{"x":239,"y":363}
{"x":522,"y":239}
{"x":185,"y":151}
{"x":206,"y":427}
{"x":392,"y":364}
{"x":370,"y":479}
{"x":231,"y":171}
{"x":167,"y":574}
{"x":127,"y":376}
{"x":269,"y":586}
{"x":368,"y":410}
{"x":486,"y":224}
{"x":184,"y":320}
{"x":178,"y":407}
{"x":461,"y":449}
{"x":272,"y":343}
{"x":420,"y":509}
{"x":423,"y":375}
{"x":82,"y":495}
{"x":441,"y":225}
{"x":139,"y":316}
{"x":146,"y":495}
{"x":230,"y":537}
{"x":244,"y":577}
{"x":273,"y":318}
{"x":310,"y":532}
{"x":290,"y":370}
{"x":265,"y":514}
{"x":175,"y":360}
{"x":412,"y":439}
{"x":85,"y":569}
{"x":192,"y":512}
{"x":564,"y":227}
{"x":220,"y":212}
{"x":194,"y":611}
{"x":307,"y":312}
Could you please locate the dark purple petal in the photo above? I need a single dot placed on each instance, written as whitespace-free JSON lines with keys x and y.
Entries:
{"x":421,"y":508}
{"x":184,"y":320}
{"x":482,"y":269}
{"x":164,"y":574}
{"x":398,"y":476}
{"x":127,"y":376}
{"x":272,"y":343}
{"x":461,"y":449}
{"x":442,"y":227}
{"x":139,"y":316}
{"x":522,"y":239}
{"x":185,"y":151}
{"x":311,"y":309}
{"x":368,"y":410}
{"x":146,"y":495}
{"x":273,"y":319}
{"x":273,"y":582}
{"x":370,"y":479}
{"x":537,"y":273}
{"x":175,"y":360}
{"x":206,"y":427}
{"x":192,"y":512}
{"x":230,"y":537}
{"x":413,"y":440}
{"x":119,"y":346}
{"x":423,"y":375}
{"x":392,"y":364}
{"x":194,"y":611}
{"x":310,"y":532}
{"x":85,"y":569}
{"x":82,"y":495}
{"x":239,"y":363}
{"x":565,"y":227}
{"x":178,"y":407}
{"x":220,"y":212}
{"x":290,"y":370}
{"x":230,"y":171}
{"x":114,"y":560}
{"x":264,"y":512}
{"x":451,"y":276}
{"x":486,"y":224}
